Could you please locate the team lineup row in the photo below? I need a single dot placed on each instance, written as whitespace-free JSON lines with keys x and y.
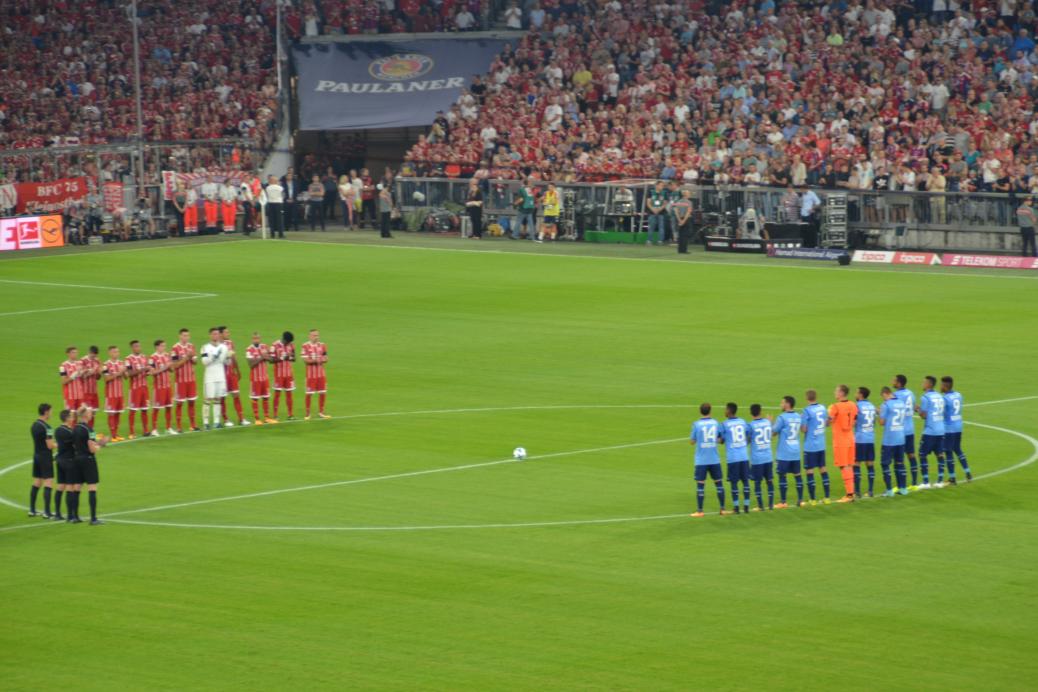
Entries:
{"x":173,"y":380}
{"x":749,"y":454}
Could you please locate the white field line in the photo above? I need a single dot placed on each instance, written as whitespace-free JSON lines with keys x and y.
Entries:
{"x":174,"y":295}
{"x":108,"y":305}
{"x":100,"y":288}
{"x":675,"y":260}
{"x":15,"y":505}
{"x":106,"y":251}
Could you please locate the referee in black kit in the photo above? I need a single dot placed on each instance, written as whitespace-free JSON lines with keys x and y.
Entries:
{"x":87,"y":443}
{"x":68,"y":477}
{"x":42,"y":461}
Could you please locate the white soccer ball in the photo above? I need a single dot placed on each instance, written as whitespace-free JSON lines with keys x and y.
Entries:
{"x":519,"y":453}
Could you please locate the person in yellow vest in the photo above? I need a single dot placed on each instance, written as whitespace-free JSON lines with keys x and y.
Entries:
{"x":552,"y":208}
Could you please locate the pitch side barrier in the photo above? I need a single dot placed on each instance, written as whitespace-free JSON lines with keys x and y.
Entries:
{"x":971,"y":222}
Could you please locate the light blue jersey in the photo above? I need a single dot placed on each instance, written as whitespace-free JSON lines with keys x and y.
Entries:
{"x":893,"y":415}
{"x":705,"y":435}
{"x":815,"y":419}
{"x":906,"y":397}
{"x":953,"y":412}
{"x":760,"y":445}
{"x":932,"y":404}
{"x":736,"y":439}
{"x":865,"y":423}
{"x":787,"y":427}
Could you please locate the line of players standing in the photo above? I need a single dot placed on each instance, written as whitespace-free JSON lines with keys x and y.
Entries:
{"x":76,"y":441}
{"x":749,"y":452}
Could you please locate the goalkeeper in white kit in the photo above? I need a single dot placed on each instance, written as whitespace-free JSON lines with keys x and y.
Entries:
{"x":215,"y":356}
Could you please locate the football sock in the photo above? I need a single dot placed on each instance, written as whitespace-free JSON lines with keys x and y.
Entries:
{"x":154,"y":418}
{"x":307,"y":405}
{"x":70,"y":504}
{"x":949,"y":462}
{"x":940,"y":468}
{"x":719,"y":486}
{"x":901,"y":474}
{"x":223,"y":408}
{"x":277,"y":401}
{"x":180,"y":414}
{"x":288,"y":403}
{"x":825,"y":483}
{"x":783,"y":487}
{"x":131,"y":423}
{"x":57,"y":501}
{"x":191,"y":413}
{"x":886,"y":476}
{"x":849,"y":485}
{"x":799,"y":480}
{"x":962,"y":460}
{"x":811,"y":485}
{"x":320,"y":401}
{"x":746,"y":495}
{"x":217,"y":411}
{"x":238,"y":410}
{"x":74,"y":504}
{"x":46,"y":499}
{"x":32,"y":498}
{"x":915,"y":470}
{"x":266,"y":408}
{"x":735,"y":496}
{"x":870,"y":470}
{"x":757,"y":492}
{"x":925,"y":470}
{"x":205,"y":413}
{"x":857,"y":480}
{"x":771,"y":494}
{"x":144,"y":422}
{"x":700,"y":493}
{"x":168,"y":421}
{"x":93,"y":505}
{"x":255,"y":409}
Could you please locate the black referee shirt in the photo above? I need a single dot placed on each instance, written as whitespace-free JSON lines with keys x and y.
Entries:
{"x":63,"y":436}
{"x":40,"y":434}
{"x":81,"y":437}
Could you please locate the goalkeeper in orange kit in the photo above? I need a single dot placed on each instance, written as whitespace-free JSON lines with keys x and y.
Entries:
{"x":842,"y":415}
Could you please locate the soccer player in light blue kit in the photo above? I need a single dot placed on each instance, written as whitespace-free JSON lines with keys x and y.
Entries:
{"x":736,"y":433}
{"x":787,"y":428}
{"x":761,"y":462}
{"x":815,"y":419}
{"x":906,"y":397}
{"x":864,"y":441}
{"x":706,"y":434}
{"x":931,"y":409}
{"x":892,"y":417}
{"x":953,"y":430}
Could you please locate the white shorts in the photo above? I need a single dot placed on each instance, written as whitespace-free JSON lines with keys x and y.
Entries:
{"x":215,"y":390}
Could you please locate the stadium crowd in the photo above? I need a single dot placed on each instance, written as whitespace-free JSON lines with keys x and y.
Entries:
{"x":865,"y":94}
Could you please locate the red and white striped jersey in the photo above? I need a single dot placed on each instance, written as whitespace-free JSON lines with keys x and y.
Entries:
{"x":73,"y":389}
{"x":318,"y":352}
{"x":181,"y":352}
{"x":114,"y":388}
{"x":284,"y":354}
{"x":231,"y":368}
{"x":91,"y":369}
{"x":161,"y":380}
{"x":258,"y":371}
{"x":137,"y":370}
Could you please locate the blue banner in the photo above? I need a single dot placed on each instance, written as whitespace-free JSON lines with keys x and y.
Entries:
{"x":381,"y":84}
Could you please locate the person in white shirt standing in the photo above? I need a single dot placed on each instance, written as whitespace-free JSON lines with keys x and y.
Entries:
{"x":215,"y":357}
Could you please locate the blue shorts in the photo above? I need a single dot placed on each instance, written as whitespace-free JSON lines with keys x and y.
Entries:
{"x":953,"y":442}
{"x":865,"y":451}
{"x":814,"y":460}
{"x":762,"y":472}
{"x":712,"y":470}
{"x":738,"y":471}
{"x":788,"y":466}
{"x":895,"y":453}
{"x":910,"y":444}
{"x":931,"y":443}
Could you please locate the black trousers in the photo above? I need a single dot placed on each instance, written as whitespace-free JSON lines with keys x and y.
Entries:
{"x":1027,"y":236}
{"x":291,"y":215}
{"x":684,"y":231}
{"x":330,"y":198}
{"x":180,"y":222}
{"x":315,"y":213}
{"x":276,"y":220}
{"x":367,"y":211}
{"x":476,"y":216}
{"x":384,"y":222}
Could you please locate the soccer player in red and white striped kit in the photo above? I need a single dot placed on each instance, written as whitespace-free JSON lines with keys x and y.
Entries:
{"x":258,"y":355}
{"x":71,"y":371}
{"x":184,"y":359}
{"x":137,"y":371}
{"x":233,"y":375}
{"x":315,"y":355}
{"x":114,"y":372}
{"x":283,"y":355}
{"x":161,"y":366}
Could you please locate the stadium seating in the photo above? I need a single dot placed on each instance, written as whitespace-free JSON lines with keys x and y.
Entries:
{"x":847,"y":93}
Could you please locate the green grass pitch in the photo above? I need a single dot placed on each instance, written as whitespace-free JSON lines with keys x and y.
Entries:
{"x":352,"y":554}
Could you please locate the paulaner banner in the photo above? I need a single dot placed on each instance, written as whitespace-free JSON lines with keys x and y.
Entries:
{"x":382,"y":84}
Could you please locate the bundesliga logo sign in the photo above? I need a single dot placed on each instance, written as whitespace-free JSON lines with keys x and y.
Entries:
{"x":401,"y":70}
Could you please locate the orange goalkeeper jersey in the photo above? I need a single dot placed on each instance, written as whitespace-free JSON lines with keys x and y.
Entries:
{"x":843,"y":414}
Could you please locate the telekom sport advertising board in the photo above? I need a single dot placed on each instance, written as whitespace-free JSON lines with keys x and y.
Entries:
{"x":31,"y":232}
{"x":948,"y":260}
